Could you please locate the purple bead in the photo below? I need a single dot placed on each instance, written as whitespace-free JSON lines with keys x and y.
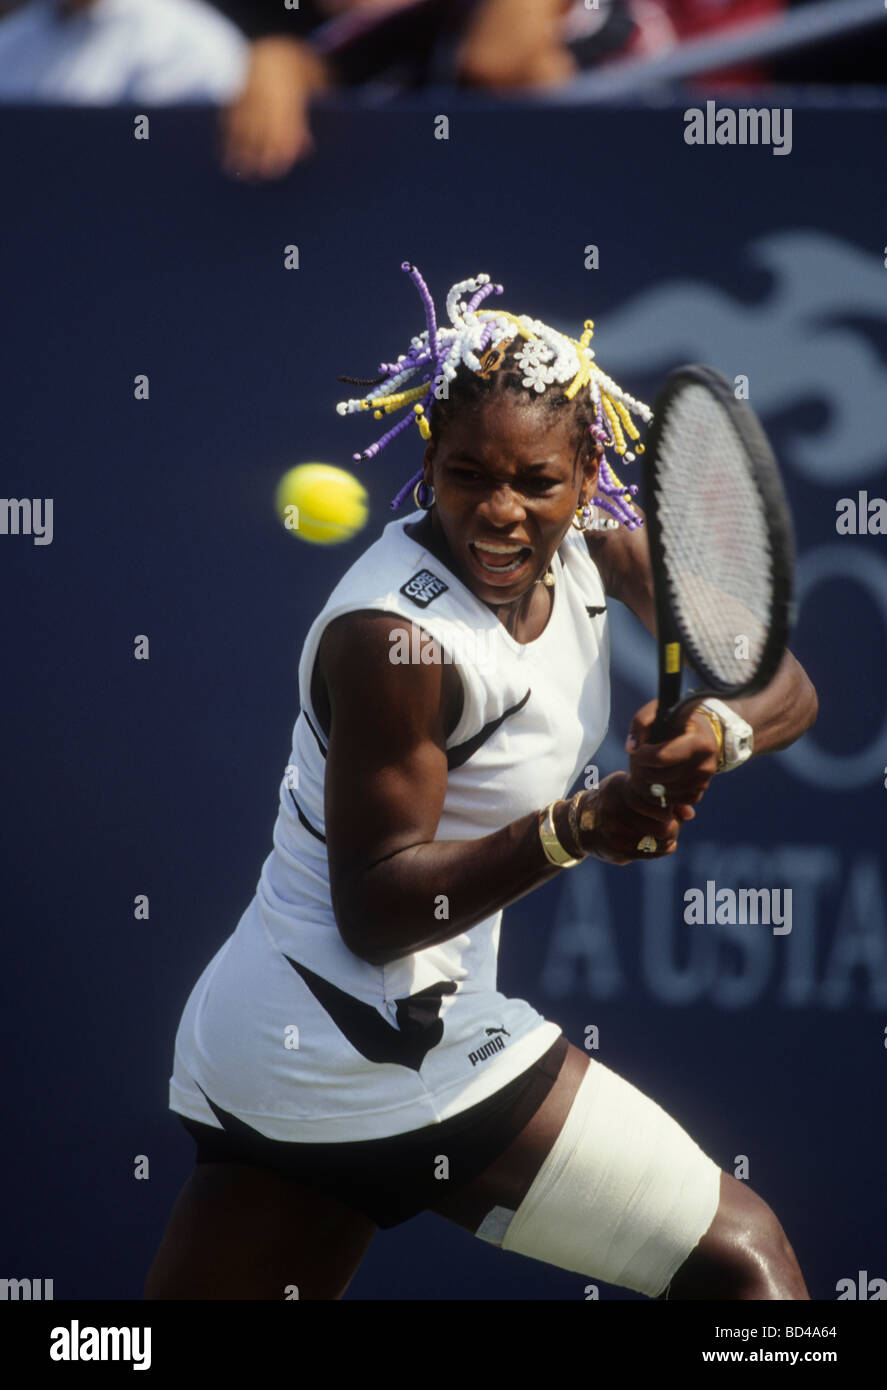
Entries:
{"x":428,"y":303}
{"x":481,"y":295}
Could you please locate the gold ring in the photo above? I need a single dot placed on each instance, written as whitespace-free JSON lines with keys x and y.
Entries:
{"x":647,"y":845}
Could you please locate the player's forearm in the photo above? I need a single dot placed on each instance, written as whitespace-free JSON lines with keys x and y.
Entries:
{"x":429,"y":893}
{"x":782,"y":712}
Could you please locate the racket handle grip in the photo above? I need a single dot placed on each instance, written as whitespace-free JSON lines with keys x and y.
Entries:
{"x":671,"y":719}
{"x":670,"y":680}
{"x":659,"y":727}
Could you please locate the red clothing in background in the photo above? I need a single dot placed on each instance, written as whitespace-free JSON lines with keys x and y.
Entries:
{"x":692,"y":18}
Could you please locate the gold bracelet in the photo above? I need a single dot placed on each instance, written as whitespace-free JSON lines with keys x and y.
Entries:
{"x":574,"y":820}
{"x":719,"y":731}
{"x":551,"y":846}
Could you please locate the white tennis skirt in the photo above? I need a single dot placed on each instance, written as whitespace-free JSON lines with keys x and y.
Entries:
{"x":300,"y":1060}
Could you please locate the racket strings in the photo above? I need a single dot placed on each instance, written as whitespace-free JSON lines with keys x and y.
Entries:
{"x":714,"y":536}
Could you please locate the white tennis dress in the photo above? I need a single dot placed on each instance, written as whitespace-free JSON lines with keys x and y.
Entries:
{"x":286,"y":1028}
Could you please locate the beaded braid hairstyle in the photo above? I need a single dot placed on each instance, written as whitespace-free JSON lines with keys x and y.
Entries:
{"x":470,"y":355}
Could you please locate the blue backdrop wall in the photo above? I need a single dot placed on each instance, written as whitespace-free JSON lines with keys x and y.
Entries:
{"x":159,"y":777}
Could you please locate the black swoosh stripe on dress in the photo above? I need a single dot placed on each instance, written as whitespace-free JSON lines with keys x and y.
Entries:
{"x":320,"y":743}
{"x":463,"y":751}
{"x":305,"y":821}
{"x":419,"y":1026}
{"x":456,"y":757}
{"x":232,"y":1125}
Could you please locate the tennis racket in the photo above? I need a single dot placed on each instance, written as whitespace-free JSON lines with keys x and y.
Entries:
{"x":721,"y":544}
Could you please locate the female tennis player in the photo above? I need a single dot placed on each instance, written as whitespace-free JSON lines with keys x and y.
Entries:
{"x":345,"y":1061}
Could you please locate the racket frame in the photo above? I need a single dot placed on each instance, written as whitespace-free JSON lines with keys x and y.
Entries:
{"x":673,"y":639}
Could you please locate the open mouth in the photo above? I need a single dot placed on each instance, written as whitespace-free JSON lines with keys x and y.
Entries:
{"x":499,"y":560}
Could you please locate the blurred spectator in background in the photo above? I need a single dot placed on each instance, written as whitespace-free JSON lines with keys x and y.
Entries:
{"x":296,"y":53}
{"x":677,"y":20}
{"x":495,"y":45}
{"x":264,"y":61}
{"x":859,"y":56}
{"x":97,"y":52}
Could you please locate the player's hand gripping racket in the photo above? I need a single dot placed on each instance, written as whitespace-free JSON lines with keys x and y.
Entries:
{"x":721,"y":544}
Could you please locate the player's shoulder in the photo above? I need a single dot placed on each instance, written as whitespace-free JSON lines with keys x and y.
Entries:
{"x":361,"y":633}
{"x":621,"y":556}
{"x":381,"y":663}
{"x":399,"y":572}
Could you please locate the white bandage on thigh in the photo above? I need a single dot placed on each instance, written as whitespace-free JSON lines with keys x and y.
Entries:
{"x":624,"y":1195}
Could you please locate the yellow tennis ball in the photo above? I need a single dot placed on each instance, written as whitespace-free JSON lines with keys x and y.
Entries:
{"x":321,"y":503}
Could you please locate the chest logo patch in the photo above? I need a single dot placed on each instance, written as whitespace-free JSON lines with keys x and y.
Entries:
{"x":423,"y":587}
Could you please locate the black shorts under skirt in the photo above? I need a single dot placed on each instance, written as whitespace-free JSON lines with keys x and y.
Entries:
{"x":392,"y":1180}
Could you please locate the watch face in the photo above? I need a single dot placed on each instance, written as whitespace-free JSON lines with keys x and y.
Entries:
{"x":737,"y":748}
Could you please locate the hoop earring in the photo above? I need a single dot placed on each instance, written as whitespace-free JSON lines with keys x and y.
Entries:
{"x":424,"y":506}
{"x":582,"y":517}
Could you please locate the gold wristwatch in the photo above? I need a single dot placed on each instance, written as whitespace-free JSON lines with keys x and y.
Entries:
{"x":737,"y":736}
